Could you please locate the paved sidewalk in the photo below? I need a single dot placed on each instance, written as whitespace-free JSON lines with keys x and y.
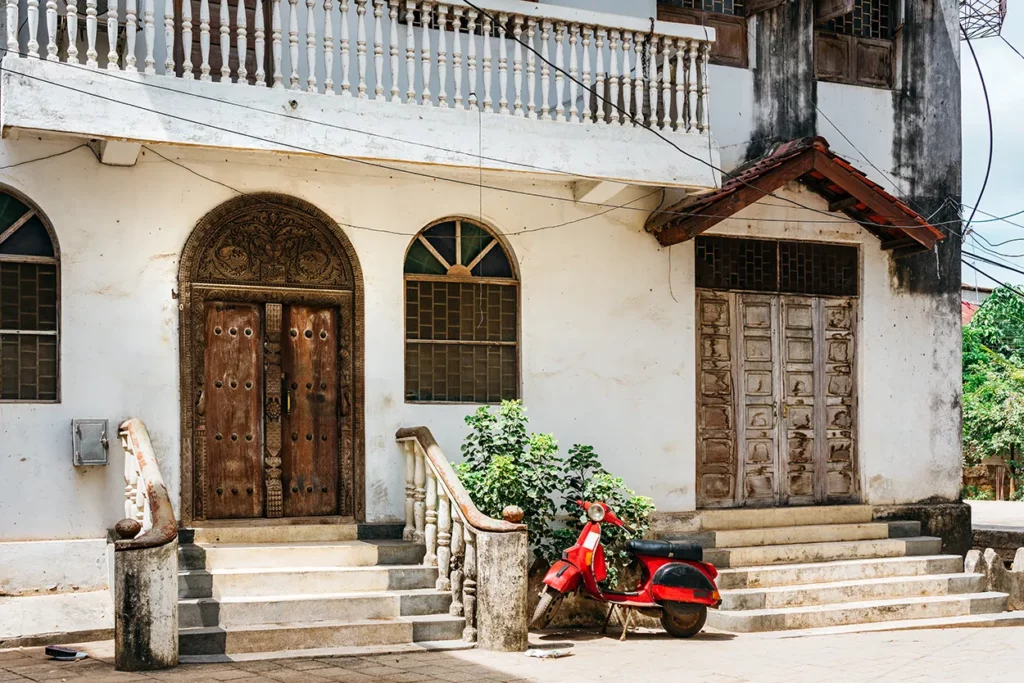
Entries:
{"x":1003,"y":514}
{"x":935,"y":655}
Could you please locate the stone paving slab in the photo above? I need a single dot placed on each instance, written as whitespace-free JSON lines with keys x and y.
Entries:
{"x":925,"y":655}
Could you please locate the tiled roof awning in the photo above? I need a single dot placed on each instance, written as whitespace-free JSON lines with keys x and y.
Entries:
{"x":811,"y":162}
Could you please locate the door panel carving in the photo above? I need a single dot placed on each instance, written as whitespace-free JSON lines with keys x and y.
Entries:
{"x":798,"y":400}
{"x":838,"y":316}
{"x":309,"y":474}
{"x":758,"y":437}
{"x":232,"y":406}
{"x":716,"y":431}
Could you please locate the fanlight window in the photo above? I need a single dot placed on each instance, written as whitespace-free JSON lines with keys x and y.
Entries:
{"x":29,"y":321}
{"x":461,"y":316}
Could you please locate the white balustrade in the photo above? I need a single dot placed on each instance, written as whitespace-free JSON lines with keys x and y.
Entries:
{"x":456,"y":57}
{"x":440,"y":514}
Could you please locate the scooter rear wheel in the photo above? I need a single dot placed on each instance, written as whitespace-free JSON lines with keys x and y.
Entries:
{"x":684,"y":624}
{"x":550,"y":601}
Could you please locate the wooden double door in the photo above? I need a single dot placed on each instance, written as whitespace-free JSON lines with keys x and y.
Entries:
{"x":776,"y":405}
{"x":272,"y":418}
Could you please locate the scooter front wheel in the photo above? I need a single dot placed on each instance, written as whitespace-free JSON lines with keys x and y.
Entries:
{"x":550,"y":601}
{"x":684,"y":623}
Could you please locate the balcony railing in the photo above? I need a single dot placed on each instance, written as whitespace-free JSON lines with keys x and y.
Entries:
{"x":406,"y":52}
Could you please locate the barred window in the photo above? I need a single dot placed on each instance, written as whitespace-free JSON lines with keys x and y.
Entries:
{"x":461,"y":316}
{"x":29,"y":294}
{"x":734,"y":7}
{"x":869,"y":19}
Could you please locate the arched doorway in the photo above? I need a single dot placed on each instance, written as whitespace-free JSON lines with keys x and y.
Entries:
{"x":271,"y":307}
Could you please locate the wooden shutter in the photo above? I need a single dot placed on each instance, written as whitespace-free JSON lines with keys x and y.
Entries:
{"x":730,"y":47}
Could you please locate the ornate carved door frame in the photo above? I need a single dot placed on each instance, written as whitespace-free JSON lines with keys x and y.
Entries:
{"x":269,"y":248}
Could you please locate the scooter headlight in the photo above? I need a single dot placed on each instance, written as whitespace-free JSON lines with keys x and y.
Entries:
{"x":595,"y":512}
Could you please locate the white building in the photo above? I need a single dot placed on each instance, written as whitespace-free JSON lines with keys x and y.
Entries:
{"x":450,"y":222}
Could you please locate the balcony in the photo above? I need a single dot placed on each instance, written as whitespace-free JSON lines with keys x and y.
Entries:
{"x":407,"y":81}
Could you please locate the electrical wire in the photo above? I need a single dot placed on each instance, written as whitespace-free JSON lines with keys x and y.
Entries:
{"x":991,"y":132}
{"x":44,"y":158}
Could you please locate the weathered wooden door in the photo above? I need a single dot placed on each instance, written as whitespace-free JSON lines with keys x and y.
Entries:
{"x":271,"y":377}
{"x":783,"y":365}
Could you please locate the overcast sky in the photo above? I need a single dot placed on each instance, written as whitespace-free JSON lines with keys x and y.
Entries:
{"x":1004,"y":76}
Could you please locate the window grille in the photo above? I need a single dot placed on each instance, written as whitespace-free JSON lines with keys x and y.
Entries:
{"x":29,"y":293}
{"x":869,"y":19}
{"x":788,"y":267}
{"x":733,"y":7}
{"x":461,"y":317}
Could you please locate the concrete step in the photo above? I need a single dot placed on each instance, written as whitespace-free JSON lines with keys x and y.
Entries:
{"x":753,"y":556}
{"x":997,"y":619}
{"x":303,"y":530}
{"x":300,"y":635}
{"x":786,"y":535}
{"x":840,"y":570}
{"x":758,"y":518}
{"x":221,"y":583}
{"x":308,"y":554}
{"x":317,"y":652}
{"x":249,"y":611}
{"x":30,"y":620}
{"x":821,"y":616}
{"x":852,"y":591}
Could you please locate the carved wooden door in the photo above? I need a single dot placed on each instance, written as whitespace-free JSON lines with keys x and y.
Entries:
{"x":758,"y":363}
{"x":801,"y":420}
{"x":839,"y":480}
{"x":233,"y":407}
{"x":309,"y":364}
{"x":716,"y":428}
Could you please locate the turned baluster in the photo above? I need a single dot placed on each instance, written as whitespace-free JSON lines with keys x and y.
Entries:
{"x":361,"y":47}
{"x":90,"y":33}
{"x":112,"y":26}
{"x":328,"y":47}
{"x":393,"y":47}
{"x":560,"y":72}
{"x":33,"y":28}
{"x":131,"y":26}
{"x":410,"y":491}
{"x":430,"y":521}
{"x":588,"y":115}
{"x":12,"y":28}
{"x":346,"y":85}
{"x":442,"y":56}
{"x":639,"y":91}
{"x":574,"y":88}
{"x":666,"y":84}
{"x":293,"y":42}
{"x":469,"y":587}
{"x":186,"y":42}
{"x":444,"y":540}
{"x":420,"y":497}
{"x":488,"y":82}
{"x":502,"y":65}
{"x":241,"y":40}
{"x":545,"y":71}
{"x":705,"y":115}
{"x":275,"y":43}
{"x":425,"y":61}
{"x":224,"y":29}
{"x":613,"y":77}
{"x":531,"y":69}
{"x":626,"y":114}
{"x":410,"y":52}
{"x":51,"y":31}
{"x":681,"y":77}
{"x":71,"y":18}
{"x":457,"y":68}
{"x":474,"y":99}
{"x":691,"y":86}
{"x":378,"y":49}
{"x":599,"y":77}
{"x":204,"y":40}
{"x":456,"y":609}
{"x":517,"y":65}
{"x":310,"y":47}
{"x":652,"y":85}
{"x":259,"y":37}
{"x":169,"y":37}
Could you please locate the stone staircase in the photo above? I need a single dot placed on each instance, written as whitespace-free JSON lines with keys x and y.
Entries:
{"x":245,"y":592}
{"x":785,"y":569}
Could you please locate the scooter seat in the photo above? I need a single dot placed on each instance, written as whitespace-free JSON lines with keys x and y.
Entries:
{"x":677,"y":550}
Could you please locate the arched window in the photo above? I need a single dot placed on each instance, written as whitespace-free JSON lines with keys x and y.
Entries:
{"x":29,"y":293}
{"x":461,"y":316}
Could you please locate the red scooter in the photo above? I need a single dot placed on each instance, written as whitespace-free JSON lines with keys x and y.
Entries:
{"x":676,"y":585}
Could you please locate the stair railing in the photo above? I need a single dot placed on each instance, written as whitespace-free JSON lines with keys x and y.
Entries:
{"x":440,"y":514}
{"x":145,"y":561}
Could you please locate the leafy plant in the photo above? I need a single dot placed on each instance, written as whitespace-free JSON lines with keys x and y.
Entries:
{"x":972,"y":492}
{"x":503,"y":464}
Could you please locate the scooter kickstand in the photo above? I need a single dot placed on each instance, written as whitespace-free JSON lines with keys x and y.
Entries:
{"x":625,"y":623}
{"x":607,"y":619}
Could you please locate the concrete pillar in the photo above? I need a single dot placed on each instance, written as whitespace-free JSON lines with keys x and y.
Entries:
{"x":503,"y":563}
{"x":146,"y":608}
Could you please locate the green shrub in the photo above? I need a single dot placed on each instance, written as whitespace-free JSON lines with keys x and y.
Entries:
{"x":503,"y":464}
{"x":972,"y":492}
